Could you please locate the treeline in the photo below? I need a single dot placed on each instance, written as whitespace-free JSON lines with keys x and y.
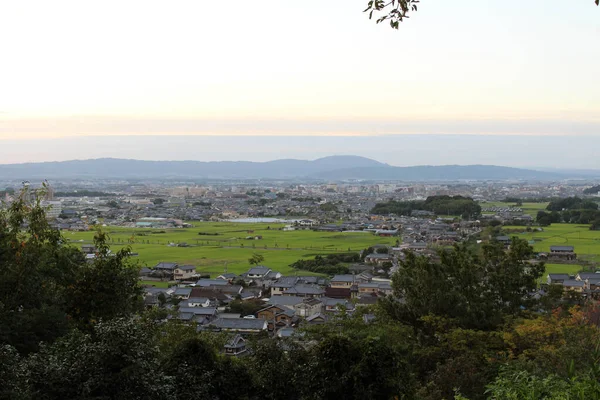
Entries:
{"x":571,"y":203}
{"x":84,"y":193}
{"x":571,"y":210}
{"x":592,"y":190}
{"x":441,"y":205}
{"x":330,"y":264}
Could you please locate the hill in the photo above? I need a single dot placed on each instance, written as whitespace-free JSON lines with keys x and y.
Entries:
{"x":327,"y":168}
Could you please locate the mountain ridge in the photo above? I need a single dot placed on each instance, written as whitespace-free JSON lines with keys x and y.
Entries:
{"x":347,"y":167}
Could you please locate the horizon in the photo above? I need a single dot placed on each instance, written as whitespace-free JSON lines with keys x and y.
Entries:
{"x":262,"y":75}
{"x":529,"y":152}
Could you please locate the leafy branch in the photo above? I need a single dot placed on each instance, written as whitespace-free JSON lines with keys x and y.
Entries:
{"x":399,"y":10}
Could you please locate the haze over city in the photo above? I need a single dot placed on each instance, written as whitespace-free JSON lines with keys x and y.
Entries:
{"x":513,"y":86}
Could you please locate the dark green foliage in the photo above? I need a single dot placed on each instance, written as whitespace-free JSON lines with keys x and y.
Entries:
{"x":118,"y":360}
{"x":46,"y":286}
{"x":475,"y":290}
{"x":444,"y":205}
{"x":586,"y":214}
{"x":13,"y":376}
{"x":105,"y":288}
{"x":571,"y":203}
{"x":330,"y":264}
{"x":328,"y":207}
{"x":592,"y":190}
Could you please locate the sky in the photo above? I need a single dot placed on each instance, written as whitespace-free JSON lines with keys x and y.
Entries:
{"x":461,"y":82}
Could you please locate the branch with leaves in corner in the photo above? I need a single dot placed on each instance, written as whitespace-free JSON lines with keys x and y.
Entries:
{"x":395,"y":11}
{"x":398,"y":10}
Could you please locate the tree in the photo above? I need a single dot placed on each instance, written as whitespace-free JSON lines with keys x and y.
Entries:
{"x":158,"y":201}
{"x":35,"y":271}
{"x":106,"y":288}
{"x":256,"y":259}
{"x":395,"y":11}
{"x":478,"y":291}
{"x":119,"y":359}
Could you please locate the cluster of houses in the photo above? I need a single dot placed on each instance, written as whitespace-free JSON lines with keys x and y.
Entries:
{"x":586,"y":283}
{"x":289,"y":301}
{"x":507,"y":215}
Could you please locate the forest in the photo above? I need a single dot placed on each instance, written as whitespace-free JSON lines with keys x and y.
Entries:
{"x":440,"y":205}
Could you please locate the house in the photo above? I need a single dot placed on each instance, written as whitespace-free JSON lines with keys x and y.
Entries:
{"x":182,"y":293}
{"x":582,"y":276}
{"x":276,"y":317}
{"x":573,"y":285}
{"x":213,"y":295}
{"x":374,"y":287}
{"x":236,"y":346}
{"x":258,"y":272}
{"x":334,"y":305}
{"x":269,"y":312}
{"x":505,"y":240}
{"x":184,"y":272}
{"x":165,"y":266}
{"x":302,"y":290}
{"x":228,"y":277}
{"x":287,"y":332}
{"x":211,"y":282}
{"x":288,"y":302}
{"x":562,"y":252}
{"x":317,"y":319}
{"x":342,"y":281}
{"x":386,"y":232}
{"x":88,"y":248}
{"x":378,"y":258}
{"x":557,"y":278}
{"x":282,"y":284}
{"x":239,"y":325}
{"x":165,"y":269}
{"x":201,"y":315}
{"x":338,"y":292}
{"x":309,"y":307}
{"x":417,"y":247}
{"x":195,"y":302}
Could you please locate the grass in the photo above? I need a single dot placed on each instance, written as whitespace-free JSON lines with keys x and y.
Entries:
{"x":210,"y":254}
{"x":585,"y":241}
{"x":570,"y":269}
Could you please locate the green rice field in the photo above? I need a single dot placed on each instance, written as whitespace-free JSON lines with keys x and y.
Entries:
{"x":229,"y":247}
{"x":585,"y":242}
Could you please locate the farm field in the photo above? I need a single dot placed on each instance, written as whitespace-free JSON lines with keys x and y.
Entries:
{"x":586,"y":242}
{"x":528,"y":208}
{"x":225,"y":244}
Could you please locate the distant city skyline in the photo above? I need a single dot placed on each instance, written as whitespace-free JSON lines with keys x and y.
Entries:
{"x":79,"y":76}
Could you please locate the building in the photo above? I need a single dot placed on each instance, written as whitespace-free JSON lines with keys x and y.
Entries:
{"x":184,"y":272}
{"x":309,"y":307}
{"x":236,"y":346}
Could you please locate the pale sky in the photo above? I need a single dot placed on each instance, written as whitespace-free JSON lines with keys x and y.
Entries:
{"x":71,"y":69}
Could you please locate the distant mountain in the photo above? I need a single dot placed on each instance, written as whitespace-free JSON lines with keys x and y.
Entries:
{"x":122,"y":168}
{"x":328,"y":168}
